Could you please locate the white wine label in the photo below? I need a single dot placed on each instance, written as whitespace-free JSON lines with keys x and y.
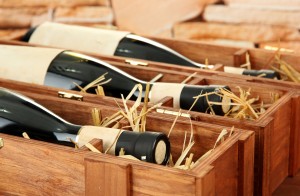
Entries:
{"x":234,"y":70}
{"x":26,"y":64}
{"x":160,"y":90}
{"x":87,"y":39}
{"x":108,"y":136}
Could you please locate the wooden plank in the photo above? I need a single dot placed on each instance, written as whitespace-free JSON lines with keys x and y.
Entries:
{"x":84,"y":15}
{"x":288,"y":46}
{"x":294,"y":139}
{"x":51,"y":3}
{"x":12,"y":33}
{"x":266,"y":4}
{"x":199,"y":52}
{"x":246,"y":163}
{"x":243,"y":32}
{"x":19,"y":17}
{"x":154,"y":17}
{"x":262,"y":159}
{"x":261,"y":59}
{"x":106,"y":178}
{"x":279,"y":143}
{"x":240,"y":57}
{"x":205,"y":182}
{"x":30,"y":167}
{"x":225,"y":176}
{"x":227,"y":42}
{"x":226,"y":14}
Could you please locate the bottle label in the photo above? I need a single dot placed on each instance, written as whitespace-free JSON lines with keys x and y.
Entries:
{"x":79,"y":38}
{"x":160,"y":90}
{"x":234,"y":70}
{"x":26,"y":64}
{"x":109,"y":136}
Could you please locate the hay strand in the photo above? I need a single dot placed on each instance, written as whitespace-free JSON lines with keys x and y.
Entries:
{"x":25,"y":135}
{"x":92,"y":148}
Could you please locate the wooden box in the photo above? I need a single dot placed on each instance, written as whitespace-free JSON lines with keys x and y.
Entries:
{"x":30,"y":167}
{"x":276,"y":162}
{"x":273,"y":144}
{"x":272,"y":129}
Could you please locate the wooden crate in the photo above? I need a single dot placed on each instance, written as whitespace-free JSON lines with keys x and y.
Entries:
{"x":267,"y":183}
{"x":60,"y":170}
{"x":271,"y":163}
{"x":277,"y":163}
{"x":216,"y":54}
{"x":220,"y":56}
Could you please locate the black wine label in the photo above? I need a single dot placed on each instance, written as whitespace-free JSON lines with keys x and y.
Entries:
{"x":147,"y":146}
{"x":88,"y":39}
{"x":263,"y":73}
{"x":209,"y":102}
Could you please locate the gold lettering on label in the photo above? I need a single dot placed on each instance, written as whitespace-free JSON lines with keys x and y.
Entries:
{"x":162,"y":111}
{"x":137,"y":63}
{"x":70,"y":96}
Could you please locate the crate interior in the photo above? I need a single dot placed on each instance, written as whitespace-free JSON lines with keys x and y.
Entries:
{"x":147,"y":73}
{"x":265,"y":93}
{"x":204,"y":134}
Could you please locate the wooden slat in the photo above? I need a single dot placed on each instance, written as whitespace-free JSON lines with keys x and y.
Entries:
{"x":266,"y":4}
{"x":199,"y":52}
{"x":246,"y":162}
{"x":226,"y":14}
{"x":205,"y":181}
{"x":29,"y":167}
{"x":289,"y":46}
{"x":84,"y":15}
{"x":226,"y":181}
{"x":107,"y":178}
{"x":19,"y":17}
{"x":295,"y":135}
{"x":51,"y":3}
{"x":243,"y":32}
{"x":280,"y":144}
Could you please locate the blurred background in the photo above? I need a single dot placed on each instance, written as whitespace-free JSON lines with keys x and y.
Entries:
{"x":268,"y":24}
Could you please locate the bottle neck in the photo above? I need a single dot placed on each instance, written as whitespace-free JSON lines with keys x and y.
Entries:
{"x":20,"y":114}
{"x":28,"y":34}
{"x":82,"y":69}
{"x":147,"y":146}
{"x":183,"y":97}
{"x":135,"y":46}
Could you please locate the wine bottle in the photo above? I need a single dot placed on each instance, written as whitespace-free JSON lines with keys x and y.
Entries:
{"x":59,"y":68}
{"x":266,"y":73}
{"x":20,"y":114}
{"x":118,"y":43}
